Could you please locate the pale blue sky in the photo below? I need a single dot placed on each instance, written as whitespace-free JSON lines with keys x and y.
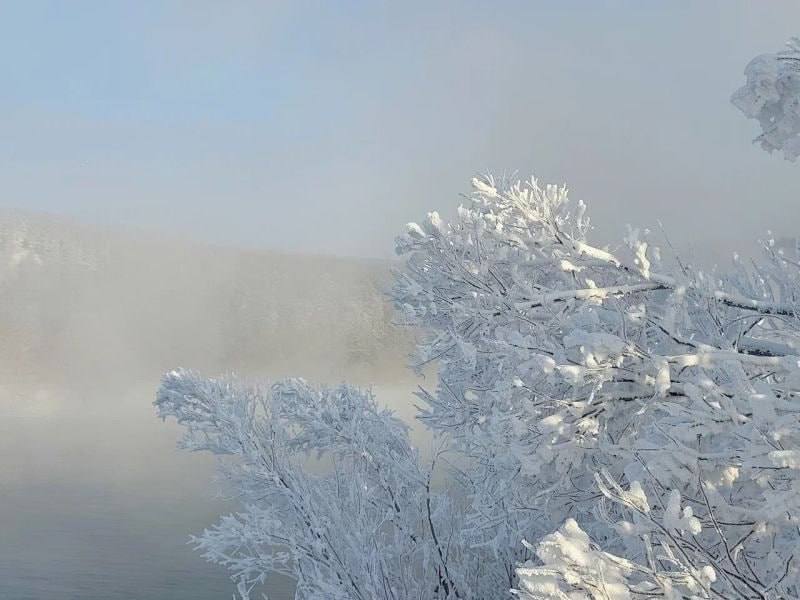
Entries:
{"x":323,"y":127}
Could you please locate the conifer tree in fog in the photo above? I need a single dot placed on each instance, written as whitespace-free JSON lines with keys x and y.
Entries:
{"x":609,"y":423}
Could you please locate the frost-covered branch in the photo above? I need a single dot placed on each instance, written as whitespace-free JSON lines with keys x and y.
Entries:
{"x":358,"y":530}
{"x":772,"y":97}
{"x":636,"y":418}
{"x":560,"y":359}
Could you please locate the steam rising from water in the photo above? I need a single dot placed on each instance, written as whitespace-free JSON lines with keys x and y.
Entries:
{"x":95,"y":500}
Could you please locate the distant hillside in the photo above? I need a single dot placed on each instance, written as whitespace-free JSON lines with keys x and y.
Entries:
{"x":77,"y":301}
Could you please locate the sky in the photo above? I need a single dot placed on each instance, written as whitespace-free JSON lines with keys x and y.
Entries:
{"x":323,"y":127}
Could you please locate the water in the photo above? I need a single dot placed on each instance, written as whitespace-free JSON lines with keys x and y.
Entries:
{"x":97,"y":503}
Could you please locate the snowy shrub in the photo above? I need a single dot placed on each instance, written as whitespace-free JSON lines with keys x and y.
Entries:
{"x":611,"y":423}
{"x":772,"y":96}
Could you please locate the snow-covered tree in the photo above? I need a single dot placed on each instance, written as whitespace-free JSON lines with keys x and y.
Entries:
{"x":609,"y":424}
{"x":772,"y":96}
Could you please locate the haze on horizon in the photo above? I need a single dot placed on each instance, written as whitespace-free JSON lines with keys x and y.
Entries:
{"x":96,"y":502}
{"x":303,"y":127}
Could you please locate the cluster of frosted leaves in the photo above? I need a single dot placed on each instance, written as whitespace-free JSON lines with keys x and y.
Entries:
{"x":772,"y":96}
{"x":571,"y":567}
{"x":559,"y":360}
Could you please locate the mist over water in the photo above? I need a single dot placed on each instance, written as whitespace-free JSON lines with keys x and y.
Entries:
{"x":95,"y":500}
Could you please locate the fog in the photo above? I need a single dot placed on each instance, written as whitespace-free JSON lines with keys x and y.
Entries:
{"x":255,"y":142}
{"x":319,"y":128}
{"x":95,"y":500}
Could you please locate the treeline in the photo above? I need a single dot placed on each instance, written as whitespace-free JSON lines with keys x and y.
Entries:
{"x":76,"y":301}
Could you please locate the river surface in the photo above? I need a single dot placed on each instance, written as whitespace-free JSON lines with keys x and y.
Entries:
{"x":97,"y":503}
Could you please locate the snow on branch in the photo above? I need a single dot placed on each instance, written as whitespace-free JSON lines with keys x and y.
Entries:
{"x":559,"y":359}
{"x":636,"y":418}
